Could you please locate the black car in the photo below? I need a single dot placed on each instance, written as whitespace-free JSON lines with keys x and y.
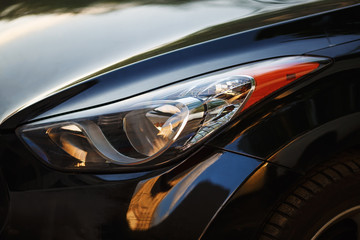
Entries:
{"x":180,"y":119}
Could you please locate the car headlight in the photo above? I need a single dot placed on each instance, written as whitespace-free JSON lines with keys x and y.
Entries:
{"x":155,"y":127}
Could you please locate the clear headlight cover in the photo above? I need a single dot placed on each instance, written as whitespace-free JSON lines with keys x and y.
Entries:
{"x":156,"y":127}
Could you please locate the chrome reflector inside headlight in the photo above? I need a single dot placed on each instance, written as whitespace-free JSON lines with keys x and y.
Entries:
{"x":155,"y":127}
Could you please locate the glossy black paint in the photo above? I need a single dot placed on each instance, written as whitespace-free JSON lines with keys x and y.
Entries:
{"x":59,"y":44}
{"x":289,"y":38}
{"x":88,"y":206}
{"x":225,"y":189}
{"x":342,"y":29}
{"x":56,"y":45}
{"x":284,"y":39}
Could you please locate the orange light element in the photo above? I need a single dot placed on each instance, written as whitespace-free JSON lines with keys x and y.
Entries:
{"x":275,"y":75}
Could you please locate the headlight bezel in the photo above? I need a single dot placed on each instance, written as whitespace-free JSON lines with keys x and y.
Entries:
{"x":160,"y":158}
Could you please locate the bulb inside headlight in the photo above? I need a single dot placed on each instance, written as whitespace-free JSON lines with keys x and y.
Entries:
{"x":155,"y":127}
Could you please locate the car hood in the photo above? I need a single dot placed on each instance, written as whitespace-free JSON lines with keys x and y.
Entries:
{"x":48,"y":45}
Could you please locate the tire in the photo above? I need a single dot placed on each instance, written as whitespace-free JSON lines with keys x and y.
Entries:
{"x":324,"y":205}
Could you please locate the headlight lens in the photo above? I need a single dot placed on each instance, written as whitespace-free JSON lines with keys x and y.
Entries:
{"x":155,"y":127}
